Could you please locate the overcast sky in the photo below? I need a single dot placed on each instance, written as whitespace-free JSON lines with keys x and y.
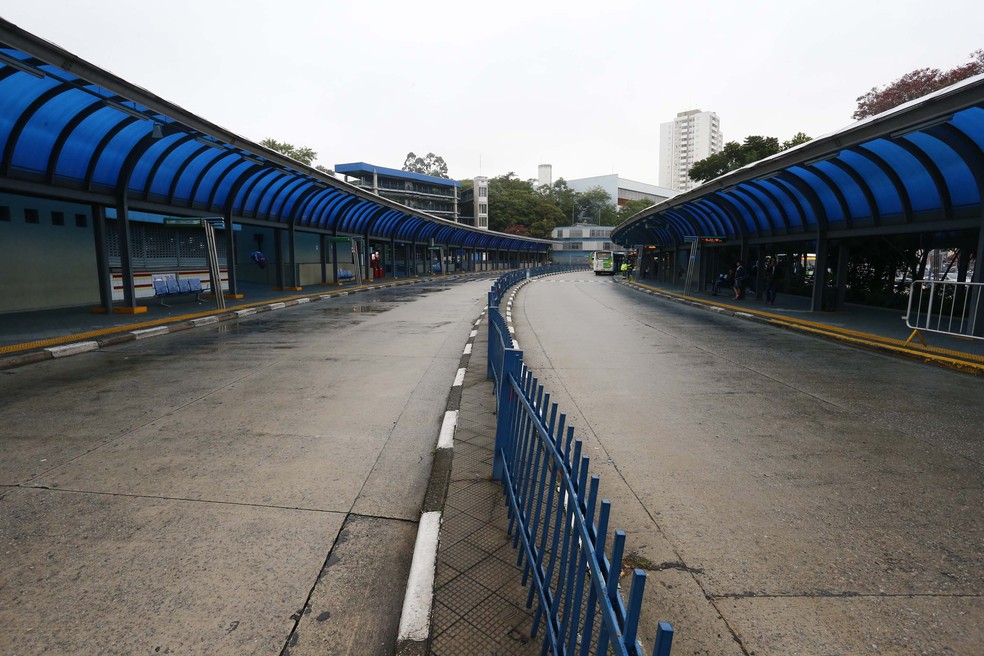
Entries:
{"x":504,"y":86}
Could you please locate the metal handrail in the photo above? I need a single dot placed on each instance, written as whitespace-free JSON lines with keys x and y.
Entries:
{"x":946,"y":307}
{"x":553,"y":507}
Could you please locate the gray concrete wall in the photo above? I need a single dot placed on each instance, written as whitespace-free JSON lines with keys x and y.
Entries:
{"x":44,"y":265}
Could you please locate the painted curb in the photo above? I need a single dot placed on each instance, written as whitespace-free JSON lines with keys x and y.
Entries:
{"x":62,"y":347}
{"x":414,"y":635}
{"x":869,"y":342}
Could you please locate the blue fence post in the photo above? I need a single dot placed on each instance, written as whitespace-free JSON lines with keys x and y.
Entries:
{"x":512,"y":364}
{"x":664,"y":639}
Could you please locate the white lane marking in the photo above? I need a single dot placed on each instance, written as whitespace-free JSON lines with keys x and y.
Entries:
{"x":149,"y":332}
{"x":467,"y":350}
{"x":72,"y":349}
{"x":415,"y":616}
{"x":446,"y":438}
{"x":459,"y":378}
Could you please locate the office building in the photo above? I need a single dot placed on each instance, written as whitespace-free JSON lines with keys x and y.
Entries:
{"x":544,"y":175}
{"x":426,"y":193}
{"x":474,"y":205}
{"x":621,"y":190}
{"x":690,"y":137}
{"x":576,"y":243}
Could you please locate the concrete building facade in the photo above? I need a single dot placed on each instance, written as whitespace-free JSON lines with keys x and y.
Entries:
{"x":427,"y":193}
{"x":474,"y":206}
{"x":576,"y":243}
{"x":690,"y":137}
{"x":622,"y":190}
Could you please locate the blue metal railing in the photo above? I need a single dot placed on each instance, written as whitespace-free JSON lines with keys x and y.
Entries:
{"x":553,"y":507}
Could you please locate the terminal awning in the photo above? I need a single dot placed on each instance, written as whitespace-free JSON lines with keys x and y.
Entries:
{"x":71,"y":130}
{"x":917,"y":167}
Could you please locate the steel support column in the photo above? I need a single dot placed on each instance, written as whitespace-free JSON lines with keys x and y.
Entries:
{"x":230,"y":239}
{"x":126,"y":257}
{"x":102,"y":258}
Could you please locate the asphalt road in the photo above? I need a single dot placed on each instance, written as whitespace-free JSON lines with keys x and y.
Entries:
{"x":251,"y":487}
{"x":789,"y":495}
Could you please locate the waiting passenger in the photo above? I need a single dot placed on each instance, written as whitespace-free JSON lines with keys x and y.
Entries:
{"x":724,"y":280}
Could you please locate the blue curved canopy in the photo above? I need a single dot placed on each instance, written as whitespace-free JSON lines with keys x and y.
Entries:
{"x":74,"y":131}
{"x":917,"y":167}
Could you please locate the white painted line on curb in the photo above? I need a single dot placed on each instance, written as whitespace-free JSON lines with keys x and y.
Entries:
{"x":150,"y":332}
{"x":473,"y":333}
{"x":415,"y":616}
{"x":245,"y":313}
{"x":744,"y":315}
{"x":301,"y":301}
{"x":446,"y":438}
{"x":72,"y":349}
{"x":515,"y":344}
{"x":459,"y":378}
{"x":512,"y":331}
{"x":479,"y":322}
{"x":204,"y":321}
{"x":277,"y":306}
{"x":467,"y":350}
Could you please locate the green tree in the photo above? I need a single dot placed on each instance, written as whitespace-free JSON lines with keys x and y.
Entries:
{"x":735,"y":155}
{"x":563,"y":197}
{"x":596,"y":206}
{"x":512,"y":202}
{"x":430,"y":165}
{"x":916,"y":84}
{"x":302,"y":154}
{"x":631,"y":208}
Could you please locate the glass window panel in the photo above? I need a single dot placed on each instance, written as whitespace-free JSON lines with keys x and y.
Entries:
{"x":256,"y":192}
{"x":288,"y":206}
{"x":857,"y":204}
{"x":215,"y":173}
{"x":809,"y":218}
{"x":17,"y":92}
{"x":120,"y":146}
{"x":763,"y":220}
{"x":971,"y":122}
{"x":828,"y":199}
{"x":796,"y":219}
{"x":160,"y":185}
{"x":273,"y":198}
{"x":959,"y":178}
{"x":138,"y":180}
{"x":919,"y":185}
{"x":774,"y":213}
{"x":224,"y":186}
{"x":34,"y":145}
{"x":78,"y":149}
{"x":190,"y":174}
{"x":886,"y":196}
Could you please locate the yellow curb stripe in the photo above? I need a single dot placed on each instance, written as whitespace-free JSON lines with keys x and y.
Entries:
{"x":968,"y":362}
{"x":102,"y":332}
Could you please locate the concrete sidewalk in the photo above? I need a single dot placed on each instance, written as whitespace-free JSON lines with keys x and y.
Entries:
{"x":479,"y":602}
{"x":882,"y":329}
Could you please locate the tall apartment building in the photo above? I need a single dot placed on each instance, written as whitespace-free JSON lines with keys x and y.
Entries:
{"x":474,"y":206}
{"x":544,"y":175}
{"x":687,"y":139}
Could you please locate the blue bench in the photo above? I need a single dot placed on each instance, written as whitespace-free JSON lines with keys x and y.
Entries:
{"x":345,"y":274}
{"x":169,"y":287}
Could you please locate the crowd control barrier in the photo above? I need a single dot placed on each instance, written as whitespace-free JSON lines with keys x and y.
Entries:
{"x":947,"y":307}
{"x":557,"y":523}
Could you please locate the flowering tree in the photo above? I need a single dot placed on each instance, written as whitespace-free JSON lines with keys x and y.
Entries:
{"x":916,"y":84}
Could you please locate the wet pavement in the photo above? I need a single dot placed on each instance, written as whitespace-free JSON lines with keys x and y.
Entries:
{"x":479,"y":605}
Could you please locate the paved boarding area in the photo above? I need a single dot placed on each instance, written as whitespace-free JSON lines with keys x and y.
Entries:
{"x":249,"y":486}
